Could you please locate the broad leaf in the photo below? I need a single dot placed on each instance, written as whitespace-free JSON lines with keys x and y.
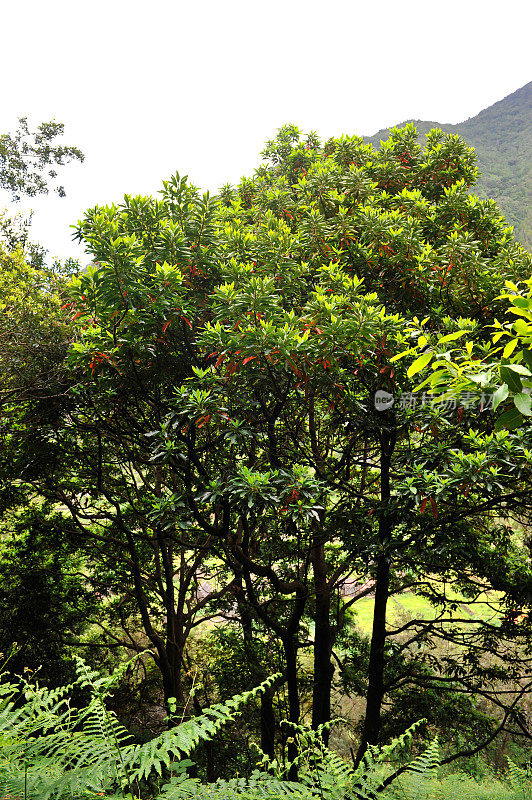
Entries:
{"x":499,"y":395}
{"x":510,"y":419}
{"x":523,"y":402}
{"x":420,"y":363}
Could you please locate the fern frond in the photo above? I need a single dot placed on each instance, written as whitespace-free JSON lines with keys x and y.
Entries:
{"x":518,"y":776}
{"x":255,"y":788}
{"x":178,"y":742}
{"x":401,"y":742}
{"x":49,"y":750}
{"x":426,"y":764}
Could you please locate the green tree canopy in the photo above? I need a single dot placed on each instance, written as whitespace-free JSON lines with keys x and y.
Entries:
{"x":239,"y":408}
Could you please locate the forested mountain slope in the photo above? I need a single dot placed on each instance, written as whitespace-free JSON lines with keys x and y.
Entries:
{"x":502,"y":137}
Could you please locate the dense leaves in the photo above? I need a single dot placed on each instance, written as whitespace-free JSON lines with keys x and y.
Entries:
{"x":236,"y":432}
{"x":500,"y":135}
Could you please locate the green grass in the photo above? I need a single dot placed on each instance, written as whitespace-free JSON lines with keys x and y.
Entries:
{"x":412,"y":605}
{"x":409,"y":603}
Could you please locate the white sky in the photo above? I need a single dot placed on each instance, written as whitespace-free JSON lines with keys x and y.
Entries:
{"x":147,"y":88}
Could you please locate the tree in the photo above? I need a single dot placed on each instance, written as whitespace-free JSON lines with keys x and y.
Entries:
{"x":238,"y":410}
{"x":95,"y":456}
{"x":303,"y":354}
{"x":43,"y":602}
{"x":28,"y":159}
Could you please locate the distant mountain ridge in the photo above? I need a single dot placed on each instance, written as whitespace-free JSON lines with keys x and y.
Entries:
{"x":502,"y":138}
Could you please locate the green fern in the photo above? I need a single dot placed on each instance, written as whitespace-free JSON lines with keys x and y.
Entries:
{"x":180,"y":741}
{"x":456,"y":787}
{"x":520,"y":778}
{"x":327,"y":775}
{"x":257,"y":787}
{"x":423,"y":770}
{"x":368,"y":778}
{"x":427,"y":763}
{"x":50,"y":750}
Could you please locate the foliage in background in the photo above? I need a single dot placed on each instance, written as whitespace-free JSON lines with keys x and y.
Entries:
{"x":501,"y":136}
{"x":34,"y":333}
{"x":44,"y":598}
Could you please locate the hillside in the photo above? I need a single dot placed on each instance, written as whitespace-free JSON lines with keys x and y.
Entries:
{"x":502,"y":138}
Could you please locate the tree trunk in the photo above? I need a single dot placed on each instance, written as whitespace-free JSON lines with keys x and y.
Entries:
{"x":172,"y":683}
{"x":267,"y":715}
{"x":375,"y":694}
{"x":377,"y":662}
{"x":323,"y":641}
{"x":175,"y":647}
{"x":267,"y":723}
{"x":290,"y":651}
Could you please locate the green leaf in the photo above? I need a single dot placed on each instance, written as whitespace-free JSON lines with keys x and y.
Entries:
{"x":451,"y":336}
{"x":523,"y":328}
{"x":499,"y":395}
{"x":481,"y":378}
{"x":510,"y":419}
{"x":422,"y":384}
{"x":510,"y":347}
{"x":521,"y":302}
{"x":527,"y":355}
{"x":520,"y":312}
{"x":511,"y":285}
{"x":434,"y":379}
{"x":509,"y":376}
{"x":523,"y":402}
{"x":400,"y":355}
{"x":420,"y":363}
{"x":518,"y":368}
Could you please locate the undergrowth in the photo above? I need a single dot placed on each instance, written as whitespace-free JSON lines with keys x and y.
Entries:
{"x":51,"y":750}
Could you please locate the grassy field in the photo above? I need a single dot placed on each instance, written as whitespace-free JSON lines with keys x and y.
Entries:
{"x":409,"y":604}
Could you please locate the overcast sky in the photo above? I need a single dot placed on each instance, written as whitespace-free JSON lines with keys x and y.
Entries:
{"x":148,"y":88}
